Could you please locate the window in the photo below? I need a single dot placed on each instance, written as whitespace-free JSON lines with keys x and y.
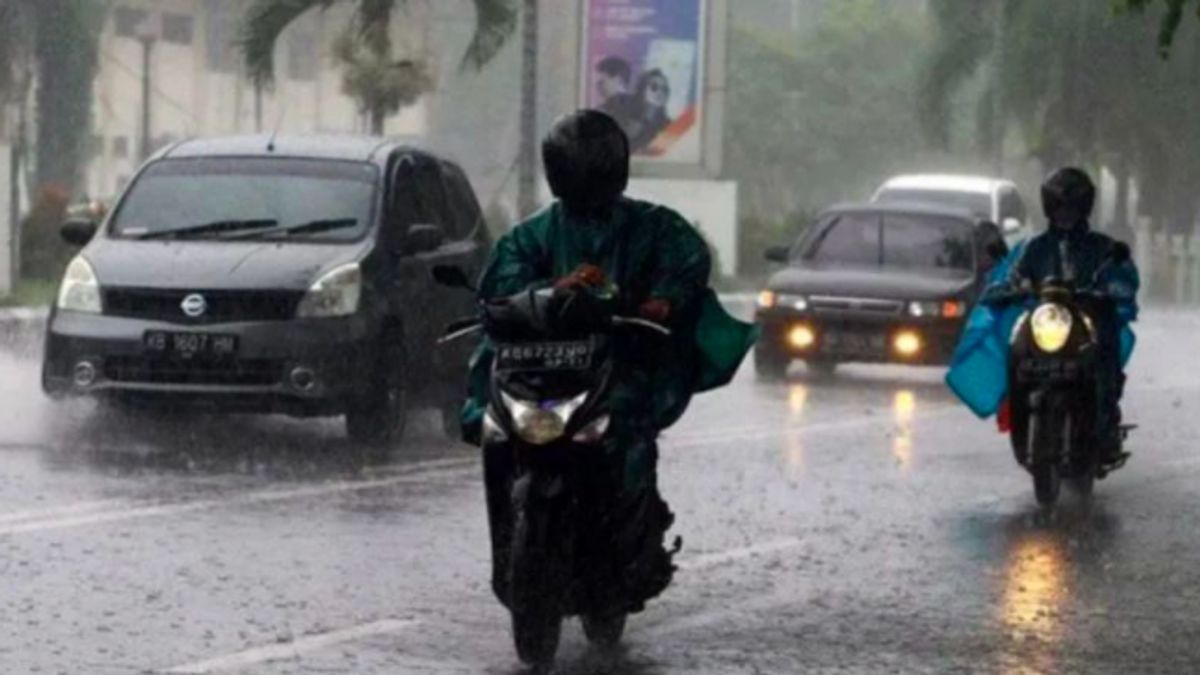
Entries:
{"x":220,"y":36}
{"x":177,"y":28}
{"x":895,"y":240}
{"x":978,"y":203}
{"x":129,"y":20}
{"x":851,"y":239}
{"x":319,"y":200}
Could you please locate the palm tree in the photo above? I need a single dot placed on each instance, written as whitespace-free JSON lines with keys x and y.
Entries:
{"x":380,"y":83}
{"x":1171,"y":20}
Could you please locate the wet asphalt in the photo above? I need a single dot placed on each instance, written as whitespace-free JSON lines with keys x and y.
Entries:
{"x":864,"y":524}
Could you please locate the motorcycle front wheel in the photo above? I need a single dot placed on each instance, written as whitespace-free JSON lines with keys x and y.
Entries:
{"x":1046,"y":436}
{"x":536,"y":582}
{"x":604,"y":630}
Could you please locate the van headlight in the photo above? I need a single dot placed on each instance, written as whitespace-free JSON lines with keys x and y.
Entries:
{"x":1051,"y":324}
{"x":337,"y":293}
{"x":544,"y":423}
{"x":80,"y":290}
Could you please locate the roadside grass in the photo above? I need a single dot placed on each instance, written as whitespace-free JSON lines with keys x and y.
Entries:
{"x":31,"y":293}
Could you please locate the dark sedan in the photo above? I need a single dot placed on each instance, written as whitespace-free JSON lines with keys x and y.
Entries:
{"x":875,"y":284}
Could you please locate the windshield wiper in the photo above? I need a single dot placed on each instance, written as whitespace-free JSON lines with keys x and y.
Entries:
{"x":215,"y":227}
{"x":311,"y":227}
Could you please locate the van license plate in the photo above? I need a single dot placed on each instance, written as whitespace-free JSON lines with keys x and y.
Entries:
{"x":190,"y":345}
{"x":544,"y":356}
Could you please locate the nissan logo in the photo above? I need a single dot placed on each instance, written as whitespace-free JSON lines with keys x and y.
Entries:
{"x":194,"y":305}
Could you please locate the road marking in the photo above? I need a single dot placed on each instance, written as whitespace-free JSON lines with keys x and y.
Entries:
{"x":709,"y":560}
{"x":291,"y":650}
{"x":441,"y":468}
{"x":64,"y":510}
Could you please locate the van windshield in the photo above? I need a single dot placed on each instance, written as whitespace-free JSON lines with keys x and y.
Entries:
{"x":978,"y":204}
{"x":249,"y":198}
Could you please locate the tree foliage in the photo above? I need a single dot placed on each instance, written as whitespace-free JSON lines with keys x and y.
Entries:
{"x":381,"y":83}
{"x":823,"y":118}
{"x":1174,"y":11}
{"x":1075,"y":82}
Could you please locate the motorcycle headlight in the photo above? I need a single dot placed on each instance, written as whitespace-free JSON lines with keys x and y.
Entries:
{"x":80,"y":290}
{"x":337,"y":293}
{"x":1051,"y":324}
{"x":542,"y":423}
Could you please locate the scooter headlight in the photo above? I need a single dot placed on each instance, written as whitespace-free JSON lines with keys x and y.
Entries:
{"x":542,"y":423}
{"x":1051,"y":324}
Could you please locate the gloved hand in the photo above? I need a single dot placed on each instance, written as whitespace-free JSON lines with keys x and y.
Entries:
{"x":656,"y":310}
{"x":585,"y":276}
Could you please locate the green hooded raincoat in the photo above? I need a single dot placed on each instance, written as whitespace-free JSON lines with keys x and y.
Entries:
{"x":647,"y":251}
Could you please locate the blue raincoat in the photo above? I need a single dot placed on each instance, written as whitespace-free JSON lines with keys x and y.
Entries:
{"x":979,"y":369}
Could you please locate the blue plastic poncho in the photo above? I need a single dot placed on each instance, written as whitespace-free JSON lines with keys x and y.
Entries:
{"x":979,"y":369}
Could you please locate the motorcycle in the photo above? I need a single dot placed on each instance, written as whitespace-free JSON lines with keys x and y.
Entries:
{"x":1055,"y":397}
{"x":549,"y":486}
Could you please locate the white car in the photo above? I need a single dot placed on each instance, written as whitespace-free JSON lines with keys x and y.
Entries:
{"x":991,"y":199}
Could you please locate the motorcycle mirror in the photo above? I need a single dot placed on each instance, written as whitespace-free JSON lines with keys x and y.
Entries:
{"x":454,"y":277}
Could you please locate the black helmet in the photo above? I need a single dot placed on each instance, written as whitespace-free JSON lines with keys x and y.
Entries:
{"x":1068,"y":196}
{"x":586,"y":157}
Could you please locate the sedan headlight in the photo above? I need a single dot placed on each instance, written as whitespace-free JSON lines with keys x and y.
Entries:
{"x":947,"y":309}
{"x":80,"y":290}
{"x":1051,"y":324}
{"x":544,"y":423}
{"x":337,"y":293}
{"x":771,"y":299}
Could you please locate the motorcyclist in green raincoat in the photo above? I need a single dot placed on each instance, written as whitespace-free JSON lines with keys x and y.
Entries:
{"x":656,"y":264}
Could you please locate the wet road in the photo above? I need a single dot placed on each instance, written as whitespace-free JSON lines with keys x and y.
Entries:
{"x":864,"y":525}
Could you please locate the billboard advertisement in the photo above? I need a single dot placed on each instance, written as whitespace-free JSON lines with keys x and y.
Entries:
{"x":644,"y":65}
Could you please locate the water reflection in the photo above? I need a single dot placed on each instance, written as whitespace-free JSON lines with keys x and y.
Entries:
{"x":904,"y":408}
{"x":793,"y":445}
{"x":1035,"y":586}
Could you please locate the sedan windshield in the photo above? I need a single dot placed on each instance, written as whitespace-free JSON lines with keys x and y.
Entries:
{"x":904,"y":241}
{"x":240,"y":198}
{"x":979,"y":204}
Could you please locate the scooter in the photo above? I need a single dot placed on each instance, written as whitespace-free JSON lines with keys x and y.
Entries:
{"x":1055,"y":394}
{"x":549,"y":486}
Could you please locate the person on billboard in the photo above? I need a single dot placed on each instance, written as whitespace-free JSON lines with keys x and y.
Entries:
{"x":651,"y":118}
{"x":613,"y":78}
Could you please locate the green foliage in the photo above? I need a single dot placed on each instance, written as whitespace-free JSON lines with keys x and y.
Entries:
{"x":265,"y":21}
{"x":823,"y":119}
{"x":1080,"y":84}
{"x":1172,"y":18}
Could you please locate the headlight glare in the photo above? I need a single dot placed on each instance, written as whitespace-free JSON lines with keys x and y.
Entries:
{"x":80,"y":289}
{"x":337,"y":293}
{"x":1051,"y":324}
{"x":545,"y":423}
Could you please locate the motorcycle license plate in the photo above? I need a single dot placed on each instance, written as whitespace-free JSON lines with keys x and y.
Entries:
{"x":189,"y":345}
{"x":544,"y":356}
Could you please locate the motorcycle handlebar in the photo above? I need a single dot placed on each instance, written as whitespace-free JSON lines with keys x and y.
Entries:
{"x":617,"y":322}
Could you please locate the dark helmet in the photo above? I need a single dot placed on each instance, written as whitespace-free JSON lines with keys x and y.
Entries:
{"x":1068,"y":196}
{"x":586,"y":157}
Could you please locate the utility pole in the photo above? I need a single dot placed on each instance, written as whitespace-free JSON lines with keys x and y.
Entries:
{"x":148,"y":35}
{"x":999,"y":125}
{"x":527,"y":196}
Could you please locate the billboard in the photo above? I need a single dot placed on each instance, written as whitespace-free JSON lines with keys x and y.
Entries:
{"x":644,"y":65}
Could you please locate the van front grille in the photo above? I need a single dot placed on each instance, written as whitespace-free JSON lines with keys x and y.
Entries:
{"x":220,"y":306}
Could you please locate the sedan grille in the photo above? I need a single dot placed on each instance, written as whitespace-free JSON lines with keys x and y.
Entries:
{"x":244,"y":372}
{"x":219,"y":306}
{"x":864,"y":305}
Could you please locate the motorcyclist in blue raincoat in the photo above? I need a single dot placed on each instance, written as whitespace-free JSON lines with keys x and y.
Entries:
{"x":1069,"y":250}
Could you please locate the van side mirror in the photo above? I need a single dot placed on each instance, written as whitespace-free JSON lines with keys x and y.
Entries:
{"x":1010,"y":226}
{"x":79,"y":230}
{"x":451,"y":276}
{"x":423,"y":238}
{"x":777,"y":254}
